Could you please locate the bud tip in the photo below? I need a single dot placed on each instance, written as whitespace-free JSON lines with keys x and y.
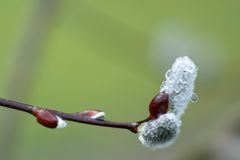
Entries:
{"x":61,"y":123}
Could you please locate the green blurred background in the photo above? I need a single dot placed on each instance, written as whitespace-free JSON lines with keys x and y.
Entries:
{"x":112,"y":55}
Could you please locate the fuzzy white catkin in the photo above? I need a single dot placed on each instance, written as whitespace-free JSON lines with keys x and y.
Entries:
{"x":179,"y":84}
{"x":161,"y":132}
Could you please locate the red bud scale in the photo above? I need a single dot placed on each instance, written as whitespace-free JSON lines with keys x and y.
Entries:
{"x":48,"y":119}
{"x":92,"y":113}
{"x":159,"y":105}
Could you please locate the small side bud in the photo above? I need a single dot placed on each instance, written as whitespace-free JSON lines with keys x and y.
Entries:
{"x":161,"y":132}
{"x":158,"y":105}
{"x":94,"y":114}
{"x":48,"y":119}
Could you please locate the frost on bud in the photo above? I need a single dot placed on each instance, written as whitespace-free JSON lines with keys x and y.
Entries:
{"x":92,"y":113}
{"x":48,"y":119}
{"x":179,"y":84}
{"x":161,"y":132}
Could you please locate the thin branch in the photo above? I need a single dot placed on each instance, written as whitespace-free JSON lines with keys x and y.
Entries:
{"x":132,"y":126}
{"x":16,"y":105}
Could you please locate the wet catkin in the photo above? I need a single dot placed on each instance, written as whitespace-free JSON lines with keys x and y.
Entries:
{"x":179,"y":85}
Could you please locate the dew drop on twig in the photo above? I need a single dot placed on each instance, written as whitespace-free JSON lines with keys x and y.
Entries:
{"x":194,"y":98}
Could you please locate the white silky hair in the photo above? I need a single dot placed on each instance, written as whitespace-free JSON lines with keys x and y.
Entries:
{"x":179,"y":84}
{"x":161,"y":132}
{"x":61,"y":123}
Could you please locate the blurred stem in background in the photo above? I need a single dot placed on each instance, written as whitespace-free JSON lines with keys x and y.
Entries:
{"x":28,"y":55}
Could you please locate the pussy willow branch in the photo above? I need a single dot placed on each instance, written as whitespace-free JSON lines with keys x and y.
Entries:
{"x":132,"y":126}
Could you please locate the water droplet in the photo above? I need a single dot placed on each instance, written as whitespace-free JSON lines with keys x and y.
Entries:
{"x":186,"y":75}
{"x":168,"y":73}
{"x":194,"y":98}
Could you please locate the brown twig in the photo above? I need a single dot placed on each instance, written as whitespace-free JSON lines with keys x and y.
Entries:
{"x":70,"y":117}
{"x":50,"y":118}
